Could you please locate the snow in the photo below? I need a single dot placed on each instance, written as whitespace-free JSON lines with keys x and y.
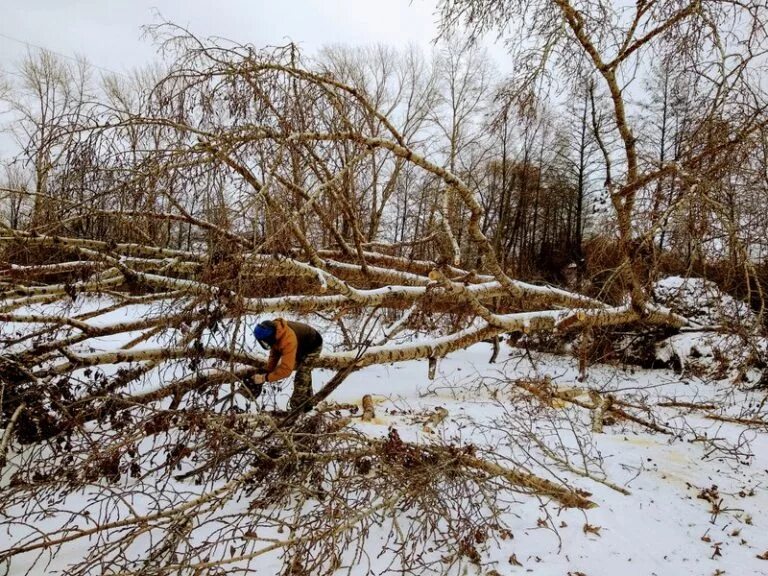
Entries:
{"x":734,"y":353}
{"x":702,"y":301}
{"x":662,"y":528}
{"x":658,"y":529}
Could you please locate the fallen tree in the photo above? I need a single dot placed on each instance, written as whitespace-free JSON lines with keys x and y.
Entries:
{"x":229,"y":192}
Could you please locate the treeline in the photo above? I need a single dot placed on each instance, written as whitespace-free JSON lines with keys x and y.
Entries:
{"x":87,"y":145}
{"x":131,"y":159}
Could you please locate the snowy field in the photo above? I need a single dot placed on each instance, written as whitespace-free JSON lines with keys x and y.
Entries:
{"x":663,"y":527}
{"x":688,"y":499}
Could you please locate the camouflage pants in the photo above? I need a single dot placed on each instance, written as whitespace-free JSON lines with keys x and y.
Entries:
{"x":302,"y":382}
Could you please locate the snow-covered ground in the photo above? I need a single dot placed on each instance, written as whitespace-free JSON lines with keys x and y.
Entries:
{"x":662,"y":527}
{"x":697,"y":496}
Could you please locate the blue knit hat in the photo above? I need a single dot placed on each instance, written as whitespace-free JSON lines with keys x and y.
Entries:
{"x":265,"y":334}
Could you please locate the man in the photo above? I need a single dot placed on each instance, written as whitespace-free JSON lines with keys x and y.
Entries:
{"x":291,"y":346}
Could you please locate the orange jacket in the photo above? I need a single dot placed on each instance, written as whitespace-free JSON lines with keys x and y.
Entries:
{"x":294,"y":341}
{"x":282,"y":356}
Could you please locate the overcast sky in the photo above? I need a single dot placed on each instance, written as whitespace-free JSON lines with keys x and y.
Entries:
{"x":108,"y":32}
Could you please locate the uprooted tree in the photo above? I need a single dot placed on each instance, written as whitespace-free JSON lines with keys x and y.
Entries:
{"x":244,"y":182}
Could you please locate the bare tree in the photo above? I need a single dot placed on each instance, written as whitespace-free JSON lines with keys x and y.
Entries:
{"x":50,"y":102}
{"x":720,"y":42}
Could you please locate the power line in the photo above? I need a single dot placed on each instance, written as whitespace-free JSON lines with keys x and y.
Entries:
{"x":38,"y":47}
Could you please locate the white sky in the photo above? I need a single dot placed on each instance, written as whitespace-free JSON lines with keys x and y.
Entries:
{"x":107,"y":32}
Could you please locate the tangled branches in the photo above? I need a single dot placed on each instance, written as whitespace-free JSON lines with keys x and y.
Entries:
{"x":246,"y":183}
{"x":307,"y":499}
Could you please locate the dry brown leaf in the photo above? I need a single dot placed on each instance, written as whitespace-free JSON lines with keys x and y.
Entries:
{"x":590,"y":529}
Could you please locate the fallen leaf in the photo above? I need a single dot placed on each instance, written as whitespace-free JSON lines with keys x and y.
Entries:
{"x":590,"y":529}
